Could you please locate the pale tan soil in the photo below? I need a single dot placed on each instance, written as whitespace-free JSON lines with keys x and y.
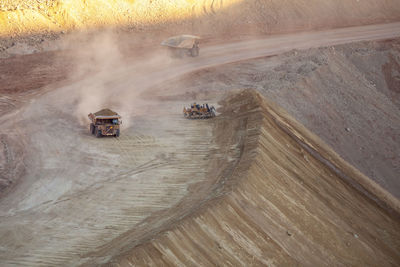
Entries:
{"x":85,"y":200}
{"x":282,"y":205}
{"x":78,"y":195}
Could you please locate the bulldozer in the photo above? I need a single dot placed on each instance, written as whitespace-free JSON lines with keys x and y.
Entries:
{"x":197,"y":111}
{"x":105,"y":123}
{"x":183,"y":45}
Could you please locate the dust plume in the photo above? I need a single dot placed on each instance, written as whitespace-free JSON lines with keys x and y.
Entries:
{"x":106,"y":79}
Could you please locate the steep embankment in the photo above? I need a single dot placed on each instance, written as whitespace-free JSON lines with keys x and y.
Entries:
{"x":348,"y":95}
{"x":23,"y":17}
{"x":290,"y":200}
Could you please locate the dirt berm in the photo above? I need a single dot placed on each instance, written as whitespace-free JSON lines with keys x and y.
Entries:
{"x":290,"y":200}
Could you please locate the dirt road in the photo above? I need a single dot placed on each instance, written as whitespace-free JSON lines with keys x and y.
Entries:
{"x":279,"y":44}
{"x":78,"y":193}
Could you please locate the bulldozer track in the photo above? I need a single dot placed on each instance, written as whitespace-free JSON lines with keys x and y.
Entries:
{"x":199,"y":118}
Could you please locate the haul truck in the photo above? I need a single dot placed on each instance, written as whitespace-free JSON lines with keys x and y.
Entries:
{"x":105,"y":123}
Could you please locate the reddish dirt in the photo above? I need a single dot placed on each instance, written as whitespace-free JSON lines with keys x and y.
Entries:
{"x":23,"y":73}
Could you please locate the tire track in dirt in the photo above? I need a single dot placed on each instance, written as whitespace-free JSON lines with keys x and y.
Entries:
{"x":112,"y":184}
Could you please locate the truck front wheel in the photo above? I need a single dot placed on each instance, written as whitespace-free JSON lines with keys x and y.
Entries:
{"x":92,"y":128}
{"x":117,"y":133}
{"x":194,"y":52}
{"x":98,"y":133}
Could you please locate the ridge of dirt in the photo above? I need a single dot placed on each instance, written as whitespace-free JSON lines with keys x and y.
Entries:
{"x":344,"y":94}
{"x":284,"y":205}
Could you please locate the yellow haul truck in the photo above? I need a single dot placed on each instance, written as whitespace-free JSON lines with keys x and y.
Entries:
{"x":105,"y":123}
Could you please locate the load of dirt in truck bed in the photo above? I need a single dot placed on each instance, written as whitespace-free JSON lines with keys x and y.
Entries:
{"x":106,"y":112}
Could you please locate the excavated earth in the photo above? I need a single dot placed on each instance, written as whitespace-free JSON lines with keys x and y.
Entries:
{"x":346,"y":94}
{"x":251,"y":187}
{"x":288,"y":199}
{"x":78,"y":193}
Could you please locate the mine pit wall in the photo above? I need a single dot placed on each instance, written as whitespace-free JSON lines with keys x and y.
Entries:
{"x":281,"y":205}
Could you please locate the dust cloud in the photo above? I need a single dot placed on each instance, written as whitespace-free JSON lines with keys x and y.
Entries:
{"x":106,"y":79}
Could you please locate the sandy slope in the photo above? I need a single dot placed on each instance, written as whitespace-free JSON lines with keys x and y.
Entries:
{"x":345,"y":94}
{"x":283,"y":205}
